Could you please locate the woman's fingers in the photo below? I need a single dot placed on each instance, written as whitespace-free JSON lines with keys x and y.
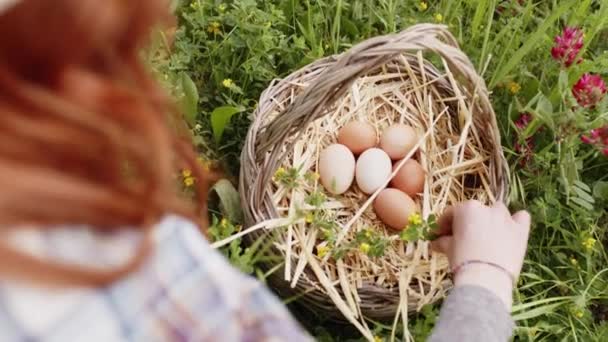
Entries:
{"x":445,"y":222}
{"x":443,"y":245}
{"x":523,"y":219}
{"x":501,"y":207}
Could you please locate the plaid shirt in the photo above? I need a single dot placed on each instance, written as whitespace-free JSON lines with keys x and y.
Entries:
{"x":185,"y":292}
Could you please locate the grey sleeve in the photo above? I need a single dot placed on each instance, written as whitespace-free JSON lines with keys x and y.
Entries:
{"x":472,"y":313}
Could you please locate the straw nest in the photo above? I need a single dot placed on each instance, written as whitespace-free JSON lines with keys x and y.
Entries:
{"x":381,"y":81}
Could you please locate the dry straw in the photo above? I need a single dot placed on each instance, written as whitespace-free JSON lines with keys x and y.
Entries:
{"x":383,"y":80}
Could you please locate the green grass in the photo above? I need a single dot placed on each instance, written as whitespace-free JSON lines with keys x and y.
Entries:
{"x":563,"y":291}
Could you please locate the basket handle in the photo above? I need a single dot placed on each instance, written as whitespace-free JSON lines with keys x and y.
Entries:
{"x":364,"y":57}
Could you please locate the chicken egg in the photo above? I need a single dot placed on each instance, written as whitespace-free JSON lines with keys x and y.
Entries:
{"x":373,"y":170}
{"x":394,"y":208}
{"x":358,"y":136}
{"x":336,"y":168}
{"x":410,"y":178}
{"x":398,"y":140}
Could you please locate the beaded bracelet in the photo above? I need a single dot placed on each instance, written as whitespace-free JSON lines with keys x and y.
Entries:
{"x":472,"y":262}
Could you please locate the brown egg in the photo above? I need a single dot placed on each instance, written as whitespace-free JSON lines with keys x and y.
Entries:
{"x":394,"y":208}
{"x":410,"y":178}
{"x":398,"y":140}
{"x":358,"y":136}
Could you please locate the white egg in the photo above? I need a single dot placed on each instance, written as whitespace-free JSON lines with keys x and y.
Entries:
{"x":373,"y":170}
{"x":336,"y":168}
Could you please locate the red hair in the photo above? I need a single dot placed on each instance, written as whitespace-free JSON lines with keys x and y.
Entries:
{"x":84,"y":133}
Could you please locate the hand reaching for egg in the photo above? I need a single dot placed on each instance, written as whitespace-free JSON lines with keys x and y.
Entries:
{"x":485,"y":245}
{"x":374,"y":166}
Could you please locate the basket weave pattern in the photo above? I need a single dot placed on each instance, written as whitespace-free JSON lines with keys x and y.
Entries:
{"x":382,"y":80}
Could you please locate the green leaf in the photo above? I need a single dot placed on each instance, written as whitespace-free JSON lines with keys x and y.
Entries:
{"x":544,"y":105}
{"x":190,"y":99}
{"x":480,"y":11}
{"x":540,"y":311}
{"x":580,"y":13}
{"x":410,"y":234}
{"x":530,"y":87}
{"x":600,"y":190}
{"x":583,"y":194}
{"x":220,"y":117}
{"x":544,"y":111}
{"x":582,"y":203}
{"x":229,"y":200}
{"x":582,"y":185}
{"x":334,"y":185}
{"x":564,"y":83}
{"x":349,"y":27}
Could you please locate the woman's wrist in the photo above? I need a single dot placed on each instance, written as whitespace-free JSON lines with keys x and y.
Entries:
{"x":489,"y":277}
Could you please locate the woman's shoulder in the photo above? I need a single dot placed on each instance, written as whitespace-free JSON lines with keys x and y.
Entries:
{"x":185,"y":290}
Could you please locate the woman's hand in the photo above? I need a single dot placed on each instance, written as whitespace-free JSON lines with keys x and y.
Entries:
{"x":485,"y":235}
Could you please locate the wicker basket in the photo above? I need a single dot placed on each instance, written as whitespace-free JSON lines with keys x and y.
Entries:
{"x":382,"y":80}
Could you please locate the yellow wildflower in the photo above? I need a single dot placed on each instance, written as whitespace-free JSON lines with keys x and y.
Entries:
{"x":221,"y":7}
{"x":224,"y":222}
{"x":322,"y":250}
{"x":514,"y":87}
{"x":214,"y":28}
{"x":579,"y":313}
{"x":228,"y":83}
{"x":422,"y":6}
{"x":438,"y":17}
{"x":573,"y":261}
{"x":378,"y":339}
{"x":279,"y":173}
{"x":368,"y":234}
{"x":186,"y":173}
{"x":189,"y":181}
{"x":309,"y":217}
{"x":589,"y":243}
{"x":364,"y":247}
{"x":415,"y":219}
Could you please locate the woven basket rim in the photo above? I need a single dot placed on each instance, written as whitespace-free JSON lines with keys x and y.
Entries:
{"x":331,"y":78}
